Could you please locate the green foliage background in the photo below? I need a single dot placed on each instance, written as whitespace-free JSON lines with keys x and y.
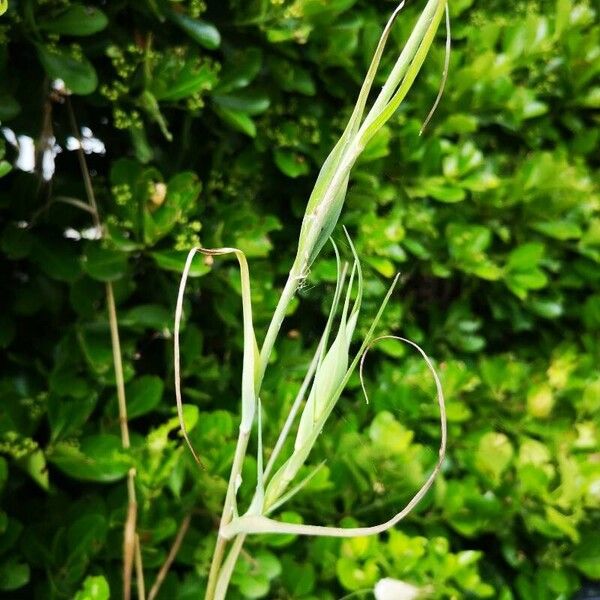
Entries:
{"x":492,"y":216}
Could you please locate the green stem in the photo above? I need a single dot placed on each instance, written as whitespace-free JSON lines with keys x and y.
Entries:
{"x":228,"y":510}
{"x":291,"y":285}
{"x":215,"y":567}
{"x":228,"y":566}
{"x":218,"y":575}
{"x":398,"y":84}
{"x":293,"y":412}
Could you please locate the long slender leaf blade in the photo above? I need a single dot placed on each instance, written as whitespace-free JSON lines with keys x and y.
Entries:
{"x":369,"y":128}
{"x":297,"y":488}
{"x":289,"y":469}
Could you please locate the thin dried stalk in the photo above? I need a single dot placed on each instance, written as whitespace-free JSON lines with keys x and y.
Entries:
{"x":170,"y":557}
{"x":139,"y":572}
{"x":129,"y":535}
{"x":129,"y":530}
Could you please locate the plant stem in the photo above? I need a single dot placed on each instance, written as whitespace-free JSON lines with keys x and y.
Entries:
{"x":139,"y":570}
{"x":293,"y":412}
{"x":228,"y":566}
{"x":315,"y":223}
{"x":130,"y":552}
{"x":215,"y":567}
{"x":234,"y":480}
{"x":85,"y":173}
{"x":171,"y":557}
{"x":228,"y":510}
{"x":291,"y":285}
{"x":118,"y":364}
{"x":215,"y":575}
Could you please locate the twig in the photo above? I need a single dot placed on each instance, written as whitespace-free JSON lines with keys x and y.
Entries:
{"x":139,"y":570}
{"x":130,"y":555}
{"x":170,"y":557}
{"x":85,"y":173}
{"x":129,"y":533}
{"x":119,"y":379}
{"x":63,"y":199}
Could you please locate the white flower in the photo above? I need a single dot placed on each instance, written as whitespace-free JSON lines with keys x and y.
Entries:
{"x":392,"y":589}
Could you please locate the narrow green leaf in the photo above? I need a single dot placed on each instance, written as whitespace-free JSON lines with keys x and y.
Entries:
{"x":250,"y":102}
{"x":99,"y":458}
{"x":291,"y":163}
{"x":238,"y":120}
{"x":104,"y":264}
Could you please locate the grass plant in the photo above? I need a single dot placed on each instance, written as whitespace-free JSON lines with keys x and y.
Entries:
{"x":333,"y":361}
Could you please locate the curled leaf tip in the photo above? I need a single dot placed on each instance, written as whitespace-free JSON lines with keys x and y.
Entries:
{"x":261,"y":524}
{"x":250,"y":359}
{"x":176,"y":353}
{"x":444,"y":74}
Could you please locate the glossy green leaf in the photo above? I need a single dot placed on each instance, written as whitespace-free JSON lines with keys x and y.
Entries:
{"x":176,"y":78}
{"x":250,"y":102}
{"x":67,"y":415}
{"x":13,"y":574}
{"x":87,"y":534}
{"x":94,"y":588}
{"x":57,"y":258}
{"x":561,"y":230}
{"x":355,"y":576}
{"x":389,"y":435}
{"x":586,"y":556}
{"x":298,"y":579}
{"x":104,"y":264}
{"x":525,"y":257}
{"x":34,"y":464}
{"x":291,"y":163}
{"x":143,"y":395}
{"x":494,"y":455}
{"x":77,"y":20}
{"x":98,"y":458}
{"x":78,"y":74}
{"x":238,"y":120}
{"x":253,"y":586}
{"x":445,"y":192}
{"x":242,"y":70}
{"x":203,"y":33}
{"x":148,"y":316}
